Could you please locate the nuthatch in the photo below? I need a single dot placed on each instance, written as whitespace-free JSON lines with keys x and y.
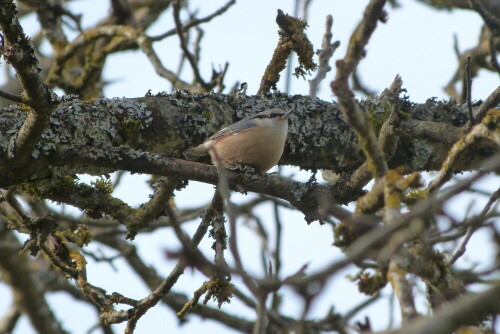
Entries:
{"x":256,"y":141}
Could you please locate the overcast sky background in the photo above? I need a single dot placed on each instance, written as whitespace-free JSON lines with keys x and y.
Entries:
{"x":417,"y":43}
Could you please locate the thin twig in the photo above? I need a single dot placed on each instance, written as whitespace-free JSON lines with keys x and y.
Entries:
{"x":75,"y":18}
{"x":456,"y":47}
{"x":12,"y":97}
{"x":479,"y":131}
{"x":362,"y":245}
{"x":219,"y":235}
{"x":493,"y":53}
{"x":288,"y":75}
{"x":468,"y":87}
{"x":472,"y":228}
{"x":358,"y":85}
{"x":194,"y":22}
{"x":191,"y":59}
{"x":277,"y":252}
{"x":493,"y":24}
{"x":351,"y":111}
{"x":303,"y":12}
{"x":232,"y":215}
{"x":491,"y":21}
{"x":325,"y":54}
{"x":396,"y":274}
{"x":146,"y":47}
{"x":166,"y":285}
{"x":262,"y":322}
{"x":351,"y":313}
{"x":491,"y":102}
{"x":469,"y":309}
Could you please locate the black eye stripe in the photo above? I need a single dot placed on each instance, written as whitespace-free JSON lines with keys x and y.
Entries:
{"x":271,"y":115}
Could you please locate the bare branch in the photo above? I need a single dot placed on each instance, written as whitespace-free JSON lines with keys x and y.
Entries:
{"x":166,"y":285}
{"x":396,"y":275}
{"x":491,"y":102}
{"x":468,"y":90}
{"x":324,"y":55}
{"x":380,"y":235}
{"x":17,"y":50}
{"x":353,"y":115}
{"x":191,"y":59}
{"x":472,"y":228}
{"x":9,"y":320}
{"x":387,"y":139}
{"x":194,"y":22}
{"x":17,"y":273}
{"x":491,"y":21}
{"x":468,"y":310}
{"x":484,"y":130}
{"x":12,"y":97}
{"x":122,"y":11}
{"x":163,"y":165}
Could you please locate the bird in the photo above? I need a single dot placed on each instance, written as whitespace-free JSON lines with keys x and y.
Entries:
{"x":256,"y":141}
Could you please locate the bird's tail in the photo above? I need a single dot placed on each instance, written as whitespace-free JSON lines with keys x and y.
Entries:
{"x":195,"y":153}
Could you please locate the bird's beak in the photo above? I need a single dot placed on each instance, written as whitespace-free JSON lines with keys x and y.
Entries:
{"x":288,"y":113}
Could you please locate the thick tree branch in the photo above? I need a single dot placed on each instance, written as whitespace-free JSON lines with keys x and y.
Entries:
{"x":303,"y":197}
{"x":318,"y":138}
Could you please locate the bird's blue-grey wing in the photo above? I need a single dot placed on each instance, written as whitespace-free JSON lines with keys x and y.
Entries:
{"x":233,"y":129}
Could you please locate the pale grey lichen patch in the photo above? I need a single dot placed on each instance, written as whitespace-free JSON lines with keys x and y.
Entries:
{"x":195,"y":122}
{"x":77,"y":123}
{"x":423,"y":153}
{"x":441,"y":111}
{"x":47,"y":143}
{"x":300,"y":190}
{"x":11,"y":121}
{"x":131,"y":109}
{"x":97,"y":121}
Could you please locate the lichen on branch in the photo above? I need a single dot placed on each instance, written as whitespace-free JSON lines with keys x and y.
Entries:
{"x":292,"y":38}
